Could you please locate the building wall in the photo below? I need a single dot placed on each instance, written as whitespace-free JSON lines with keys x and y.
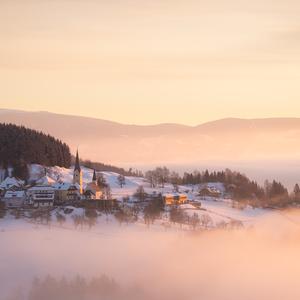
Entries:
{"x":77,"y":178}
{"x":66,"y":195}
{"x":14,"y":202}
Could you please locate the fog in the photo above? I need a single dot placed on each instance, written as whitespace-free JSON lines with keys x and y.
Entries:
{"x":257,"y":263}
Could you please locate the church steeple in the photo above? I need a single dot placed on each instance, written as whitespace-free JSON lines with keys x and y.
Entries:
{"x":77,"y":176}
{"x":95,"y":176}
{"x":77,"y":163}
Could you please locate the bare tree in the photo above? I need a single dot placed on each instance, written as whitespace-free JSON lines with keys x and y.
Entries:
{"x":206,"y":221}
{"x":121,"y":180}
{"x":106,"y":195}
{"x":195,"y":221}
{"x":140,"y":193}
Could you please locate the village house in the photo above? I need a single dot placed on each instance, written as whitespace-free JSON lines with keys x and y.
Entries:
{"x":14,"y":199}
{"x":41,"y":196}
{"x":210,"y":192}
{"x":66,"y":192}
{"x":175,"y":199}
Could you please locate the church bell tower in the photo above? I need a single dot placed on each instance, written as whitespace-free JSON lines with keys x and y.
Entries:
{"x":77,"y":176}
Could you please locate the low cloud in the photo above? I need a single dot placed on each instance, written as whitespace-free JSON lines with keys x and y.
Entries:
{"x":258,"y":263}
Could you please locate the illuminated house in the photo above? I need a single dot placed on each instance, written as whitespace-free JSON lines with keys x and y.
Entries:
{"x":175,"y":199}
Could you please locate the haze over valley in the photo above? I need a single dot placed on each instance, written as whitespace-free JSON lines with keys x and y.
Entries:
{"x":262,"y":148}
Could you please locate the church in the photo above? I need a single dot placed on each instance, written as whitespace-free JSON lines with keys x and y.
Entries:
{"x":92,"y":191}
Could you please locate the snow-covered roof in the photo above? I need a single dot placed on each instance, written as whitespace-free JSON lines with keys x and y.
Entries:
{"x":174,"y":195}
{"x":11,"y":181}
{"x":45,"y":180}
{"x":14,"y":194}
{"x":64,"y":186}
{"x":41,"y":188}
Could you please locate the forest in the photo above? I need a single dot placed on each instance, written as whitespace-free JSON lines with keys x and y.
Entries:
{"x":21,"y":146}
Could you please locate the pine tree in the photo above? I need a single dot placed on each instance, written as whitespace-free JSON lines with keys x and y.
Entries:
{"x":297,"y":192}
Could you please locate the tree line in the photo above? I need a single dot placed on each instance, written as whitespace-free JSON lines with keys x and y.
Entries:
{"x":237,"y":185}
{"x":101,"y":167}
{"x":75,"y":288}
{"x":21,"y":146}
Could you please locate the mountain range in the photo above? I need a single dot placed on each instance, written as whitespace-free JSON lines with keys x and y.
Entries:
{"x":221,"y":140}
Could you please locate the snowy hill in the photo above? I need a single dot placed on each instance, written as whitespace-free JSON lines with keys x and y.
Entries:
{"x":218,"y":209}
{"x":37,"y":173}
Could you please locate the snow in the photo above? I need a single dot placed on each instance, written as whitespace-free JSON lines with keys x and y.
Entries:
{"x":41,"y":188}
{"x":46,"y":180}
{"x":11,"y":181}
{"x":222,"y":210}
{"x":64,"y":186}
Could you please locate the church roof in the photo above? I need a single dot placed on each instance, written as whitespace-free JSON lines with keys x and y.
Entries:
{"x":77,"y":163}
{"x":65,"y":186}
{"x":92,"y":186}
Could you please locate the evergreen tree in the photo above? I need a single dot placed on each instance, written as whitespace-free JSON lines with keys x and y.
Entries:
{"x":297,"y":190}
{"x":21,"y":146}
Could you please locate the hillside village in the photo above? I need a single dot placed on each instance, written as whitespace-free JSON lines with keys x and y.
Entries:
{"x":47,"y":190}
{"x":80,"y":188}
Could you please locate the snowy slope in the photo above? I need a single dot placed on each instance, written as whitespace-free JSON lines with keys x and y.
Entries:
{"x":66,"y":175}
{"x":218,"y":209}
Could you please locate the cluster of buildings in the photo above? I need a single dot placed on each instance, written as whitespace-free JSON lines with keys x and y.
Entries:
{"x":46,"y":192}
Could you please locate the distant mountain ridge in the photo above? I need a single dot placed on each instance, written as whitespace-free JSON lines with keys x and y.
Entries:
{"x":114,"y":143}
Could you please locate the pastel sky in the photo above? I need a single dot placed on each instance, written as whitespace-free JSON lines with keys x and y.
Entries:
{"x":143,"y":62}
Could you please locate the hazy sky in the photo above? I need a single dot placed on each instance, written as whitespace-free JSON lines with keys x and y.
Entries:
{"x":141,"y":61}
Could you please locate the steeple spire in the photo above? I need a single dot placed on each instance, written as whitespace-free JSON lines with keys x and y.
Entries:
{"x":77,"y":176}
{"x":77,"y":163}
{"x":94,"y":176}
